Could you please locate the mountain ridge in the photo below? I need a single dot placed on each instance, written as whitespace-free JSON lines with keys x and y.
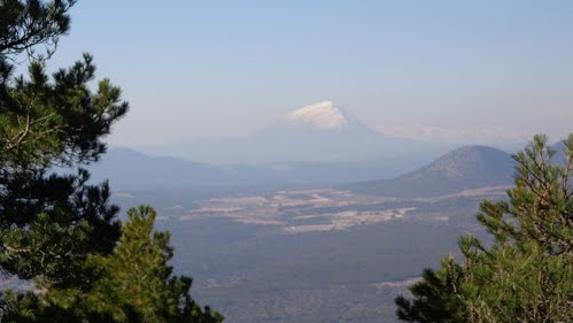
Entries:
{"x":131,"y":170}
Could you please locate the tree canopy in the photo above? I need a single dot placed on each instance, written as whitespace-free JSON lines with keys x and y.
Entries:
{"x":526,"y":274}
{"x":55,"y":229}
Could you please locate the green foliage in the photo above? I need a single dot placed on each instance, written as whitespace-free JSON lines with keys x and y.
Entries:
{"x":134,"y":284}
{"x":526,"y":275}
{"x":49,"y":224}
{"x":26,"y":24}
{"x":43,"y":122}
{"x":137,"y":277}
{"x":55,"y":229}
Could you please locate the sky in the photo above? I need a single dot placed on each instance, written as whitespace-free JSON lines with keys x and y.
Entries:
{"x":484,"y":71}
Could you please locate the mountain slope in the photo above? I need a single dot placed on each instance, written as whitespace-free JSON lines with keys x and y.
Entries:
{"x":464,"y":168}
{"x":131,"y":170}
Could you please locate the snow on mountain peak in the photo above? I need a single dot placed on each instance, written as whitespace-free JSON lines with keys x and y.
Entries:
{"x":322,"y":115}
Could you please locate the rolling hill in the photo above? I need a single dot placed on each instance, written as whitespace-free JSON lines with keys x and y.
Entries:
{"x":463,"y":168}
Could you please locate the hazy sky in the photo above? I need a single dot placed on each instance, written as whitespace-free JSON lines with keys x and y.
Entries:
{"x":476,"y":71}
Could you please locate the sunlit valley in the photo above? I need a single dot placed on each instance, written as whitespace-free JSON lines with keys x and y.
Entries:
{"x":312,"y":241}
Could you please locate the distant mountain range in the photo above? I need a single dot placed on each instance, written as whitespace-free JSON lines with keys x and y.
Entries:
{"x":130,"y":170}
{"x":463,"y":168}
{"x":316,"y":145}
{"x":319,"y":144}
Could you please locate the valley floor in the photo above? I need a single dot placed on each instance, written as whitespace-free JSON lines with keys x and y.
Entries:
{"x":317,"y":255}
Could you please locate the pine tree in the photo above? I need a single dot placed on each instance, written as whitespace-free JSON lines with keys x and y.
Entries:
{"x":49,"y":224}
{"x":526,"y":275}
{"x":138,"y":280}
{"x":55,"y":229}
{"x":134,"y":284}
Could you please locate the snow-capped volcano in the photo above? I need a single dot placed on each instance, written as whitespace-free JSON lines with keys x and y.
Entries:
{"x":317,"y":133}
{"x":321,"y":115}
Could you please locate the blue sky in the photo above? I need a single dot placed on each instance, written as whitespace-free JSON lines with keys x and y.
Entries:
{"x":465,"y":71}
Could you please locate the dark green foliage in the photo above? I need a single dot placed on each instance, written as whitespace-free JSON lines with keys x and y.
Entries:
{"x":25,"y":24}
{"x":43,"y":119}
{"x":134,"y":284}
{"x":50,"y":223}
{"x":527,"y":274}
{"x":43,"y":122}
{"x":55,"y":229}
